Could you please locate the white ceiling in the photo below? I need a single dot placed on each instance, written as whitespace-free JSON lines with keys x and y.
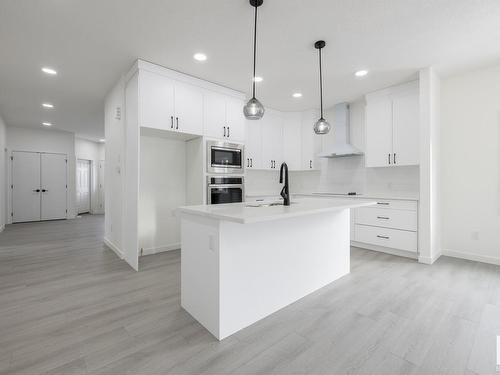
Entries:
{"x":92,"y":42}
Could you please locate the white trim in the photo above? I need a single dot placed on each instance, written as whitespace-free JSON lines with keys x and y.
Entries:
{"x":113,"y":247}
{"x":387,"y":250}
{"x":473,"y":257}
{"x":160,"y":249}
{"x":2,"y":227}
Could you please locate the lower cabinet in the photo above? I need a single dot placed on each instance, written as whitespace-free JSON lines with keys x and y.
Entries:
{"x":391,"y":223}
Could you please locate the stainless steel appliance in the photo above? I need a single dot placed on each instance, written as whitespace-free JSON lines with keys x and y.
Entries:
{"x":225,"y":157}
{"x":225,"y":189}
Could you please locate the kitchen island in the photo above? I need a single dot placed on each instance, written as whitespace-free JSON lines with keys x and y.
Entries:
{"x":241,"y":262}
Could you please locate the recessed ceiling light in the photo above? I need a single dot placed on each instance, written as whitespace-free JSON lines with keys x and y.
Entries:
{"x":50,"y":71}
{"x":200,"y":56}
{"x":46,"y":124}
{"x":361,"y":73}
{"x":297,"y":95}
{"x":102,"y":140}
{"x":258,"y":79}
{"x":47,"y":105}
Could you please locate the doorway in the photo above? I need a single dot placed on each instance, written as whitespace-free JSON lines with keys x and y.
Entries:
{"x":83,"y":186}
{"x":39,"y":186}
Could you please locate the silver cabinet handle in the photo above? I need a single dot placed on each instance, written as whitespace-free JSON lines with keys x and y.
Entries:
{"x":171,"y":122}
{"x":224,"y":131}
{"x":382,"y":217}
{"x":310,"y":164}
{"x":394,"y":158}
{"x":389,"y":158}
{"x":384,"y":237}
{"x":177,"y":123}
{"x":383,"y":203}
{"x":228,"y":134}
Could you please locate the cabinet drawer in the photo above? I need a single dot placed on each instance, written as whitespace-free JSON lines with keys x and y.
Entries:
{"x":396,"y":204}
{"x":386,"y":237}
{"x":388,"y":218}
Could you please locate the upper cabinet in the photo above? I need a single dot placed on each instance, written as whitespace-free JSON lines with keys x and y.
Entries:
{"x":188,"y":108}
{"x":311,"y":142}
{"x":272,"y":140}
{"x":223,"y":117}
{"x":292,"y":140}
{"x":392,"y":126}
{"x":253,"y":144}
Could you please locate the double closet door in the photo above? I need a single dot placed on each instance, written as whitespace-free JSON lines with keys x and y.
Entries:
{"x":39,"y":186}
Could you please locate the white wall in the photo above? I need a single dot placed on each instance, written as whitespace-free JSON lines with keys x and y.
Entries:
{"x":93,"y":151}
{"x":162,"y":189}
{"x":470,"y":145}
{"x":341,"y":174}
{"x":3,"y":174}
{"x":46,"y":140}
{"x":115,"y":144}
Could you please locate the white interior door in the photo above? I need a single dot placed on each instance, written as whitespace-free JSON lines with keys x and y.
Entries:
{"x":25,"y":186}
{"x":54,"y":186}
{"x":83,"y":186}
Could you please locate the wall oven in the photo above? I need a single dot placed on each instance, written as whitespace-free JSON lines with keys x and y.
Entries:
{"x":225,"y":157}
{"x":225,"y":189}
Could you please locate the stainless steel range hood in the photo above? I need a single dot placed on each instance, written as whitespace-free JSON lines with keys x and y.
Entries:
{"x":340,"y":146}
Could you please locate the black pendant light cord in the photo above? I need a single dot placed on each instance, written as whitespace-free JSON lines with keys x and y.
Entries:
{"x":320,"y":84}
{"x":254,"y":51}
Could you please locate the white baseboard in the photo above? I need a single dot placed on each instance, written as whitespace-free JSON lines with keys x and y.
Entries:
{"x":473,"y":257}
{"x":160,"y":249}
{"x":387,"y":250}
{"x":113,"y":247}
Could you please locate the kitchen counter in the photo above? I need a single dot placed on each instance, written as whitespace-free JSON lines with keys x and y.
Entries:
{"x":241,"y":262}
{"x":252,"y":212}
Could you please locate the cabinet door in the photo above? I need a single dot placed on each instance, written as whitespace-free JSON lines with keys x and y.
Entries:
{"x":253,"y":144}
{"x":188,"y":109}
{"x":235,"y":120}
{"x":272,"y":140}
{"x":379,"y":132}
{"x":156,"y":101}
{"x":311,"y":142}
{"x":405,"y":117}
{"x":292,"y":140}
{"x":214,"y":115}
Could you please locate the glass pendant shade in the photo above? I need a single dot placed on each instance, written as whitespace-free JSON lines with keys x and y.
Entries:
{"x":253,"y":110}
{"x":322,"y":126}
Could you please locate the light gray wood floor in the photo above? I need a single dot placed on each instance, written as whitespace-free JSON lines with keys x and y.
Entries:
{"x":68,"y":305}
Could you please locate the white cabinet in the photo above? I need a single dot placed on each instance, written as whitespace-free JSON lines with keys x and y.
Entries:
{"x":272,"y":140}
{"x":392,"y":126}
{"x":311,"y":142}
{"x":253,"y":144}
{"x":292,"y":140}
{"x":223,"y":117}
{"x":170,"y":105}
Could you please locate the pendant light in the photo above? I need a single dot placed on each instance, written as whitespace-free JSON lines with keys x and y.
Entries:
{"x":321,"y":126}
{"x":254,"y":110}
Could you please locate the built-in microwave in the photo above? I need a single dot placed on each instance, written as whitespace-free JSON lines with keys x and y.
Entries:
{"x":225,"y":157}
{"x":225,"y":189}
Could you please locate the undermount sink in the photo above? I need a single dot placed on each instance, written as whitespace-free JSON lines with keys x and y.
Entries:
{"x":266,"y":204}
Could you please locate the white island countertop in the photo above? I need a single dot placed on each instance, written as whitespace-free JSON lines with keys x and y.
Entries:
{"x":252,"y":212}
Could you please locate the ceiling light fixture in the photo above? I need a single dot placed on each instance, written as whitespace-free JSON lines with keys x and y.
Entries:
{"x":361,"y":73}
{"x":254,"y":110}
{"x":49,"y":71}
{"x":200,"y":56}
{"x":258,"y":79}
{"x":47,"y":105}
{"x":321,"y":126}
{"x":297,"y":95}
{"x":46,"y":124}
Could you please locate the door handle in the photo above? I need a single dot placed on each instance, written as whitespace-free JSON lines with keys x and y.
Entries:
{"x":44,"y":190}
{"x":228,"y":134}
{"x":384,"y":237}
{"x":389,"y":158}
{"x":177,"y":123}
{"x":310,"y":164}
{"x":171,"y":122}
{"x":394,"y":158}
{"x":224,"y":131}
{"x":36,"y":190}
{"x":248,"y":162}
{"x":251,"y":163}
